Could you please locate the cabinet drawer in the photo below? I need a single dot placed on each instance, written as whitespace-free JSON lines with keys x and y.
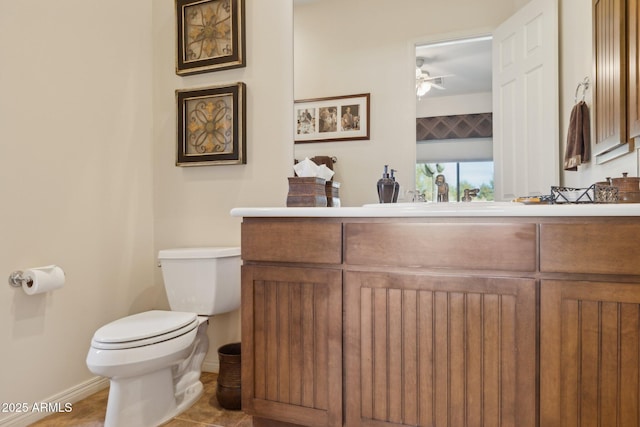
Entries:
{"x":510,"y":247}
{"x":291,"y":241}
{"x":602,"y":248}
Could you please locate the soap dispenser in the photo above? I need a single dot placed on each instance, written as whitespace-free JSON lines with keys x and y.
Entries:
{"x":396,"y":186}
{"x":386,"y":187}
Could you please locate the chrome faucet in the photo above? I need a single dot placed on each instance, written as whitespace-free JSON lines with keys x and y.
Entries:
{"x":469,"y":194}
{"x":417,"y":196}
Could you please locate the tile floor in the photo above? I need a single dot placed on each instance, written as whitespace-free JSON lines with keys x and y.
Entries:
{"x":206,"y":412}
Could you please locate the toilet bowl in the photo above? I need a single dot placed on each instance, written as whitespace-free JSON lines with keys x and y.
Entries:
{"x":154,"y":359}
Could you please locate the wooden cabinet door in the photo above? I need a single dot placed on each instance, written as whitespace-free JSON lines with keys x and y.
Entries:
{"x":633,"y":48}
{"x":589,"y":353}
{"x":292,"y":344}
{"x":610,"y":58}
{"x":616,"y":94}
{"x":427,"y":350}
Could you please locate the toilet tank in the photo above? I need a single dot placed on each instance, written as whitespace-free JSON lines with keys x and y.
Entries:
{"x":205,"y":281}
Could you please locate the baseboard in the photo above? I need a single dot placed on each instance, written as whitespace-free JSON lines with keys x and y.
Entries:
{"x":71,"y":395}
{"x":74,"y":394}
{"x":211,"y":365}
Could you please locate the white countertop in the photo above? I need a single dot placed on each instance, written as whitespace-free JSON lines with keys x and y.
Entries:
{"x":471,"y":209}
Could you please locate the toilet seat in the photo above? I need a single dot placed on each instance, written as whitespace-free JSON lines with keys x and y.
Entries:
{"x":142,"y":329}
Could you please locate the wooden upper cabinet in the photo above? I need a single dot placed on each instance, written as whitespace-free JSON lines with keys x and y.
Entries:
{"x":609,"y":96}
{"x":633,"y":40}
{"x":615,"y":96}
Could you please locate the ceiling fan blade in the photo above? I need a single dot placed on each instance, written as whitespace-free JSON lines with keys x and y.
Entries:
{"x":423,"y":76}
{"x":439,"y":77}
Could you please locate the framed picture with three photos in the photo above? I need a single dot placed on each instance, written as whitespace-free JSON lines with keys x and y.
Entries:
{"x":339,"y":118}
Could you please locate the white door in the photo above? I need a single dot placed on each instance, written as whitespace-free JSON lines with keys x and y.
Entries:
{"x":525,"y":102}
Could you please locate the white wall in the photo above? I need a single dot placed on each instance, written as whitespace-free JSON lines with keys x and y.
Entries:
{"x":87,"y":128}
{"x":75,"y":182}
{"x":192,"y":204}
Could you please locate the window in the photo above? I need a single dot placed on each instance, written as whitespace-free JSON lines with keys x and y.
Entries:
{"x":459,"y":176}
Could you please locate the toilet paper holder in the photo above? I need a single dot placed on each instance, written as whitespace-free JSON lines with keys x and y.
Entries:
{"x":17,"y":279}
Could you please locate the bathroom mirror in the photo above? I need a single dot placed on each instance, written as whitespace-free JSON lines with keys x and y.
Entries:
{"x":344,"y":47}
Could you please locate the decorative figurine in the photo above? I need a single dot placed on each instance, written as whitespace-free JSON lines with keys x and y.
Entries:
{"x":443,"y":189}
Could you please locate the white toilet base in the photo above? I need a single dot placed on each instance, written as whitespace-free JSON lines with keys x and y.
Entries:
{"x":155,"y":397}
{"x":147,"y":400}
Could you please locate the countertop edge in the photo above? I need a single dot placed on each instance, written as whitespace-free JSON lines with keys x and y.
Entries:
{"x":517,"y":210}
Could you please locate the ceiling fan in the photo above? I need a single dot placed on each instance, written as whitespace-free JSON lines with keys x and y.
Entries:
{"x":425,"y":81}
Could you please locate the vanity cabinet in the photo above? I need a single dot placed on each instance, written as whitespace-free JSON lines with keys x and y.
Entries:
{"x":292,"y":322}
{"x":496,"y":321}
{"x":438,"y":323}
{"x":590,"y":353}
{"x":433,"y":350}
{"x":292,"y":341}
{"x":590,"y":323}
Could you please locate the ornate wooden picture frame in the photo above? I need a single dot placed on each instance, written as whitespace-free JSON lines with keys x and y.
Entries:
{"x":210,"y":35}
{"x":211,"y":126}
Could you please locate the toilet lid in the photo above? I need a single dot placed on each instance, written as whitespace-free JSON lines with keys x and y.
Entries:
{"x":144,"y":328}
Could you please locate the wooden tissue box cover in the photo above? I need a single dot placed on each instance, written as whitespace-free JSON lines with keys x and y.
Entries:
{"x":306,"y":192}
{"x":333,"y":196}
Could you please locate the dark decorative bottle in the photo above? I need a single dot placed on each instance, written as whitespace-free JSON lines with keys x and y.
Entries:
{"x":386,"y":187}
{"x":396,"y":186}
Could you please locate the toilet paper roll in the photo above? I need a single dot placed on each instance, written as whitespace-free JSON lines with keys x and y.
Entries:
{"x":43,"y":279}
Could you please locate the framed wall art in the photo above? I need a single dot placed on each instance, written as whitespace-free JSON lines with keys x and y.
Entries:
{"x":210,"y":35}
{"x":339,"y":118}
{"x":211,"y":126}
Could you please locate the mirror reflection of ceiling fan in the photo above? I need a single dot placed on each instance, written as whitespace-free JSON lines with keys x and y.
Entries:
{"x":425,"y":81}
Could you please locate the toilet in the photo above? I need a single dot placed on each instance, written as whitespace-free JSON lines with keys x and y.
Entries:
{"x":154,"y":359}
